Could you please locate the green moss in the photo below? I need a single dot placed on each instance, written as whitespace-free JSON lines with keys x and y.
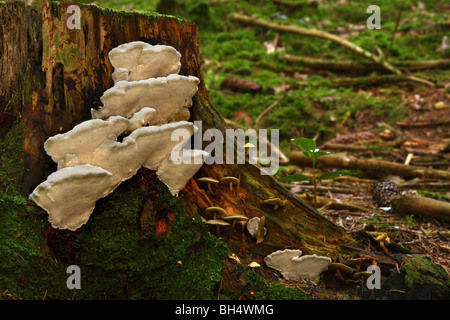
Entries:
{"x":25,"y":270}
{"x":425,"y":279}
{"x":120,"y":261}
{"x":277,"y":291}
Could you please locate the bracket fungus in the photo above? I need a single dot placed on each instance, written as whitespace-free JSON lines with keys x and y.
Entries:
{"x":147,"y":104}
{"x":292,"y":266}
{"x":167,"y":95}
{"x":140,"y":119}
{"x":138,"y":60}
{"x":69,"y":194}
{"x":77,"y":145}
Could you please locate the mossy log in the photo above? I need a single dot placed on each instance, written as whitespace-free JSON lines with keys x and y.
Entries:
{"x":140,"y":242}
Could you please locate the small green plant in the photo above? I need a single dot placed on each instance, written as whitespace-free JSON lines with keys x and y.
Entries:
{"x":308,"y":146}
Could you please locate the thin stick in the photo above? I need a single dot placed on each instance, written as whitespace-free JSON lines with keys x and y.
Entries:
{"x":319,"y":34}
{"x":399,"y":15}
{"x":267,"y":110}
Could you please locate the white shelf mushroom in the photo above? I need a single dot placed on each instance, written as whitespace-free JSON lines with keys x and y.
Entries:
{"x":166,"y":95}
{"x":138,"y":60}
{"x":69,"y":194}
{"x":77,"y":145}
{"x":293,"y":267}
{"x":147,"y":145}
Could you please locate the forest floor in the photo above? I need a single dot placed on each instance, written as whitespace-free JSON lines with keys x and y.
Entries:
{"x":390,"y":119}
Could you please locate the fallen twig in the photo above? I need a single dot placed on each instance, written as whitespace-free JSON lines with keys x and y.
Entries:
{"x":319,"y":34}
{"x":267,"y":110}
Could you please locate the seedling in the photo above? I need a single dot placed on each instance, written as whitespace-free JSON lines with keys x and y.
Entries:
{"x":308,"y":146}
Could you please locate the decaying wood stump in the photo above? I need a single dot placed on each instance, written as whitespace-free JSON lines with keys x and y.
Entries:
{"x":52,"y":76}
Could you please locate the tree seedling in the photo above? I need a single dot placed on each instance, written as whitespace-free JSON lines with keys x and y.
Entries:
{"x":308,"y":146}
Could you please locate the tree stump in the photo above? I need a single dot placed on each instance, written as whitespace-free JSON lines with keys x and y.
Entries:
{"x":140,"y":241}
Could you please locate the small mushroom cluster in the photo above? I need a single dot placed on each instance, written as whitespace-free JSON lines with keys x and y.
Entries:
{"x":293,"y":266}
{"x":147,"y":104}
{"x":221,"y":219}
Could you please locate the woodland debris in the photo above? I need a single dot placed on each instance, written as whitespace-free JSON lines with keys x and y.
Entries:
{"x":373,"y":165}
{"x":431,"y":123}
{"x":316,"y":33}
{"x":421,"y":146}
{"x":421,"y":206}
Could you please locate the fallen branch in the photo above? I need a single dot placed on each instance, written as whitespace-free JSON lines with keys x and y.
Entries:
{"x":342,"y":82}
{"x":319,"y":34}
{"x":321,"y":188}
{"x":423,"y":123}
{"x":416,"y":205}
{"x":334,"y":204}
{"x":359,"y":66}
{"x":380,"y":166}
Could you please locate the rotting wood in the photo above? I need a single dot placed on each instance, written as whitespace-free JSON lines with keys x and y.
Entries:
{"x":422,"y":206}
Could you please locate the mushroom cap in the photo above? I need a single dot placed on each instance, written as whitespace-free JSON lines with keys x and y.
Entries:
{"x":207,"y":179}
{"x":69,"y":195}
{"x":214,"y":210}
{"x":128,"y":97}
{"x":237,"y":217}
{"x":217,"y":222}
{"x":254,"y":264}
{"x":275,"y":201}
{"x":138,"y":60}
{"x":233,"y":180}
{"x":249,"y":145}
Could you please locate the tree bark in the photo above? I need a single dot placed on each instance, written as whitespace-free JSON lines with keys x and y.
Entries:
{"x":52,"y":76}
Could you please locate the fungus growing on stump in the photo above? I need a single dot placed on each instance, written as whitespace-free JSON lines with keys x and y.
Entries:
{"x":292,"y":266}
{"x":138,"y":60}
{"x":69,"y":194}
{"x":167,"y":95}
{"x":92,"y":162}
